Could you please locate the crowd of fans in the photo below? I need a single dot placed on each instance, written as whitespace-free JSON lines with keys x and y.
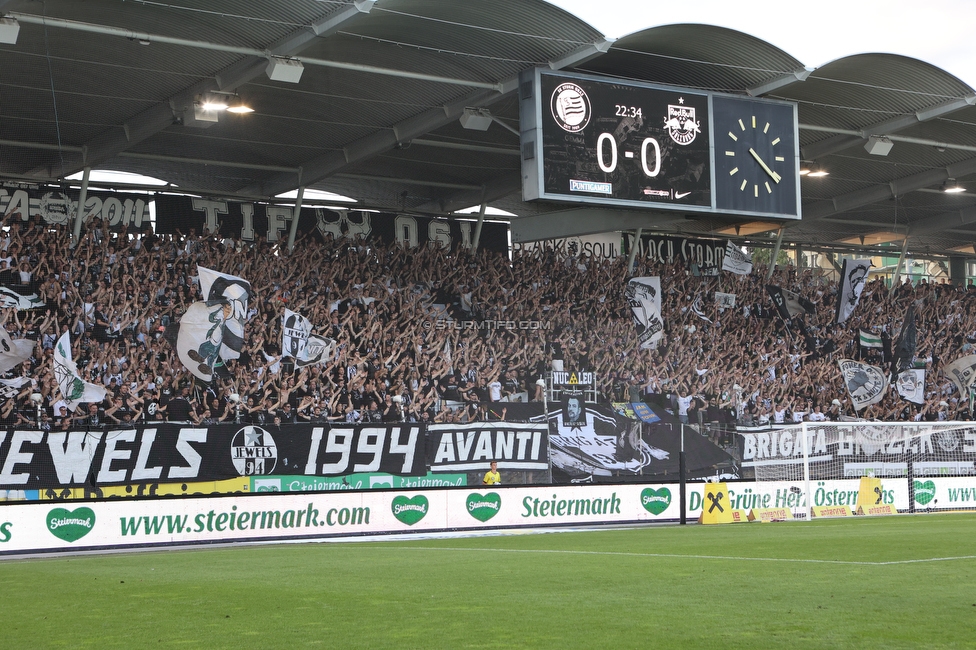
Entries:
{"x":412,"y":343}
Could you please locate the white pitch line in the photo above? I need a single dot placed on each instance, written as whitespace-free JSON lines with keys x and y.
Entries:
{"x":689,"y":557}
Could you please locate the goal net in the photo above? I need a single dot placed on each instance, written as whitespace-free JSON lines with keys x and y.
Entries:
{"x":923,"y":465}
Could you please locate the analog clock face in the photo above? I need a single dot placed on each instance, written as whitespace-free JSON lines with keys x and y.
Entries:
{"x":755,"y":156}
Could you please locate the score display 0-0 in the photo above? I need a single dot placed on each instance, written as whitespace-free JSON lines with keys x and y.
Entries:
{"x":620,"y":143}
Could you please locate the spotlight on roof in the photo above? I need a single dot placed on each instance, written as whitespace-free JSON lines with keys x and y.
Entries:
{"x":816,"y":171}
{"x":476,"y":119}
{"x":9,"y":29}
{"x":282,"y":69}
{"x":878,"y":145}
{"x":952,"y":187}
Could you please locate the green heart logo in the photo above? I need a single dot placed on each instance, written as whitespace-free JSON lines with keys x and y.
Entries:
{"x":484,"y":506}
{"x":924,"y":492}
{"x":410,"y":511}
{"x":655,"y":501}
{"x":70,"y":525}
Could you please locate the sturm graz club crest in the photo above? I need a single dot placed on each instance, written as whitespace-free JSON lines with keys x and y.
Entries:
{"x":253,"y":452}
{"x":681,"y":123}
{"x":570,"y":107}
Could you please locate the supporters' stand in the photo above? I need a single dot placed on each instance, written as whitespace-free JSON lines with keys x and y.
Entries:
{"x":399,"y":357}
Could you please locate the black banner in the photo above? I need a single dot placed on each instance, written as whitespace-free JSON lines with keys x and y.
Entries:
{"x":273,"y":222}
{"x":706,"y":253}
{"x":174,"y":453}
{"x":57,"y":207}
{"x":595,"y":443}
{"x":464,"y":447}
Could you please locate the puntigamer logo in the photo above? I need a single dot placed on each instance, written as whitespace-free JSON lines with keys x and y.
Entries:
{"x":70,"y":525}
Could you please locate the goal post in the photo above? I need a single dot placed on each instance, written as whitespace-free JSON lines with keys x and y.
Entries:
{"x":922,"y":465}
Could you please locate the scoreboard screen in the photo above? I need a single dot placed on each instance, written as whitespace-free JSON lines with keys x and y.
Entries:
{"x":621,"y":143}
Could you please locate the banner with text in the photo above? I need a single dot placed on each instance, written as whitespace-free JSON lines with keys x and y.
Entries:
{"x":273,"y":222}
{"x":172,"y":453}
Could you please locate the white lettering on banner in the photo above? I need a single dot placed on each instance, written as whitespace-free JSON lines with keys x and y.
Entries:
{"x":247,"y":218}
{"x":405,"y":231}
{"x":212,"y":210}
{"x":439,"y":232}
{"x":106,"y":474}
{"x":516,"y":446}
{"x":140,"y":472}
{"x":17,"y":457}
{"x":193,"y":458}
{"x":58,"y":208}
{"x":73,"y":454}
{"x":279,"y":220}
{"x":465,"y":228}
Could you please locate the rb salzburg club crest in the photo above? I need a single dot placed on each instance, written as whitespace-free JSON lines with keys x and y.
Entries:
{"x":681,"y":123}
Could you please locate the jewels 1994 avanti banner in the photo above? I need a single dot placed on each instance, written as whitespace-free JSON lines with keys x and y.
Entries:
{"x":174,"y":453}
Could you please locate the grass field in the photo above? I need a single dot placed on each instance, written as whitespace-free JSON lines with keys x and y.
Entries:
{"x":896,"y":582}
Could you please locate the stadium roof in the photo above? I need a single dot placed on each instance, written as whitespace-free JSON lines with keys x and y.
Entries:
{"x":375,"y":114}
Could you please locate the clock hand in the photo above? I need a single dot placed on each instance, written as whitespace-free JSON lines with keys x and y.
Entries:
{"x":776,"y":177}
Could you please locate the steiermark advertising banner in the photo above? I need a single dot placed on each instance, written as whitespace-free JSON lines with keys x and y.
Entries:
{"x":56,"y":527}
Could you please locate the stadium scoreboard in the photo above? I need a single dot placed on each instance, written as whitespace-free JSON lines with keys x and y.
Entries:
{"x":597,"y":140}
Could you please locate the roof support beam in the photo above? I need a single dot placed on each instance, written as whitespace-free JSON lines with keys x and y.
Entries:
{"x":779,"y":81}
{"x":406,"y":130}
{"x":586,"y":221}
{"x":945,"y":221}
{"x":156,"y":118}
{"x":493,"y":190}
{"x":899,"y":187}
{"x":887,"y":127}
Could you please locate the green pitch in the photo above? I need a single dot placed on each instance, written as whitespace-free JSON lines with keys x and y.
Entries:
{"x":895,"y":582}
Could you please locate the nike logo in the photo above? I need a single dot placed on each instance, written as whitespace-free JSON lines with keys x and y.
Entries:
{"x":681,"y":195}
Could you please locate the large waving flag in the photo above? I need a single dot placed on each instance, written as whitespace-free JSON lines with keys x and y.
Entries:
{"x":74,"y":389}
{"x":789,"y":304}
{"x":904,"y":353}
{"x":735,"y":261}
{"x":866,"y":384}
{"x":644,"y":295}
{"x":298,"y":342}
{"x":11,"y":299}
{"x":213,"y":327}
{"x":13,"y":351}
{"x":962,"y":372}
{"x":853,"y":275}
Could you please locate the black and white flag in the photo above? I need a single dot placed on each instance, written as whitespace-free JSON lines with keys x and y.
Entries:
{"x":213,"y":327}
{"x":74,"y":389}
{"x":724,"y":300}
{"x":298,"y":342}
{"x":962,"y":372}
{"x":904,"y":353}
{"x":644,"y":295}
{"x":789,"y":304}
{"x":736,"y":261}
{"x":866,"y":384}
{"x":911,"y":385}
{"x":13,"y":351}
{"x":11,"y":299}
{"x":853,"y":276}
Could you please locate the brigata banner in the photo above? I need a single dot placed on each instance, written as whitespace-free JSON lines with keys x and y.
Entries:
{"x":935,"y":449}
{"x":248,"y":221}
{"x":167,"y":453}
